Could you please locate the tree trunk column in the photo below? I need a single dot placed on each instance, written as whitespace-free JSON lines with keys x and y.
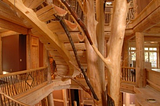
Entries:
{"x":50,"y":99}
{"x":1,"y":71}
{"x":101,"y":40}
{"x":140,"y":78}
{"x":92,"y":57}
{"x":50,"y":96}
{"x":125,"y":54}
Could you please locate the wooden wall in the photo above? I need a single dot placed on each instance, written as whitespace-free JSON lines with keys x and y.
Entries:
{"x":153,"y":79}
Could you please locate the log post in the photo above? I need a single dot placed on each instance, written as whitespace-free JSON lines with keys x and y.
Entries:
{"x":50,"y":96}
{"x":28,"y":51}
{"x":140,"y":78}
{"x":127,"y":103}
{"x":115,"y":44}
{"x":92,"y":58}
{"x":1,"y":70}
{"x":125,"y":54}
{"x":121,"y":99}
{"x":100,"y":15}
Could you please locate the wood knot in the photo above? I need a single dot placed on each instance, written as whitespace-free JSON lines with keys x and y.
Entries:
{"x":27,"y":12}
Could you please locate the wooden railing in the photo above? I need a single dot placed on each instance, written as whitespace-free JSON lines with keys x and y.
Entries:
{"x":130,"y":15}
{"x":107,"y":18}
{"x":128,"y":74}
{"x":6,"y":100}
{"x":15,"y":83}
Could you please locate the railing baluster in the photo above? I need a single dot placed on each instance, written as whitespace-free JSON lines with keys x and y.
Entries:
{"x":128,"y":74}
{"x":16,"y":83}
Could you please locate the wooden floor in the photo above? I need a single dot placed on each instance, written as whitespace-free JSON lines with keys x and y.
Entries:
{"x":148,"y":93}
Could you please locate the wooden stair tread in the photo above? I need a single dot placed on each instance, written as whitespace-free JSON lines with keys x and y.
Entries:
{"x":78,"y":46}
{"x":63,"y":37}
{"x":72,"y":26}
{"x":55,"y":26}
{"x":32,"y":3}
{"x":52,"y":9}
{"x":47,"y":16}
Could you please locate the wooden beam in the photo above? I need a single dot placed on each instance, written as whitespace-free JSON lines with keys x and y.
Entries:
{"x":41,"y":27}
{"x":8,"y":33}
{"x":7,"y":13}
{"x":148,"y":17}
{"x":12,"y":26}
{"x":152,"y":38}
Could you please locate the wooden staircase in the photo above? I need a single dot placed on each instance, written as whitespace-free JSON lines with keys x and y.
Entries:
{"x":45,"y":25}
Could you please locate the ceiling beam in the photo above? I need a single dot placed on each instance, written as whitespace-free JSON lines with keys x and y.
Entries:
{"x":8,"y":14}
{"x":12,"y":26}
{"x":8,"y":33}
{"x":148,"y":17}
{"x":151,"y":38}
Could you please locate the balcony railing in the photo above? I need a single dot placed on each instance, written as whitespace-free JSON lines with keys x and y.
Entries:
{"x":129,"y":74}
{"x":6,"y":100}
{"x":16,"y":83}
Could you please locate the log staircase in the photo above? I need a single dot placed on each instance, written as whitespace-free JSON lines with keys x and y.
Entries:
{"x":42,"y":17}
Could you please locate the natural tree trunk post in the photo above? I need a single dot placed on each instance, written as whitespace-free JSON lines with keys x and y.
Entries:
{"x":121,"y":99}
{"x":140,"y":79}
{"x":28,"y":51}
{"x":75,"y":103}
{"x":1,"y":70}
{"x":127,"y":103}
{"x":50,"y":100}
{"x":125,"y":53}
{"x":100,"y":13}
{"x":43,"y":102}
{"x":50,"y":96}
{"x":92,"y":58}
{"x":115,"y":48}
{"x":159,"y":55}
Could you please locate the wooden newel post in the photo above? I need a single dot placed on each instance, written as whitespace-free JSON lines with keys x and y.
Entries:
{"x":140,"y":78}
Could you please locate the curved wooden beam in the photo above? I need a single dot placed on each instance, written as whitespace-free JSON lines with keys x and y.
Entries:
{"x":46,"y":35}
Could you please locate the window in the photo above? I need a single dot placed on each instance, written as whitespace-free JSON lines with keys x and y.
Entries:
{"x":150,"y":55}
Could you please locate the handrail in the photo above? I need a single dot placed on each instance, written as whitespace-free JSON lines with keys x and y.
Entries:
{"x":16,"y":83}
{"x":5,"y":99}
{"x":21,"y":72}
